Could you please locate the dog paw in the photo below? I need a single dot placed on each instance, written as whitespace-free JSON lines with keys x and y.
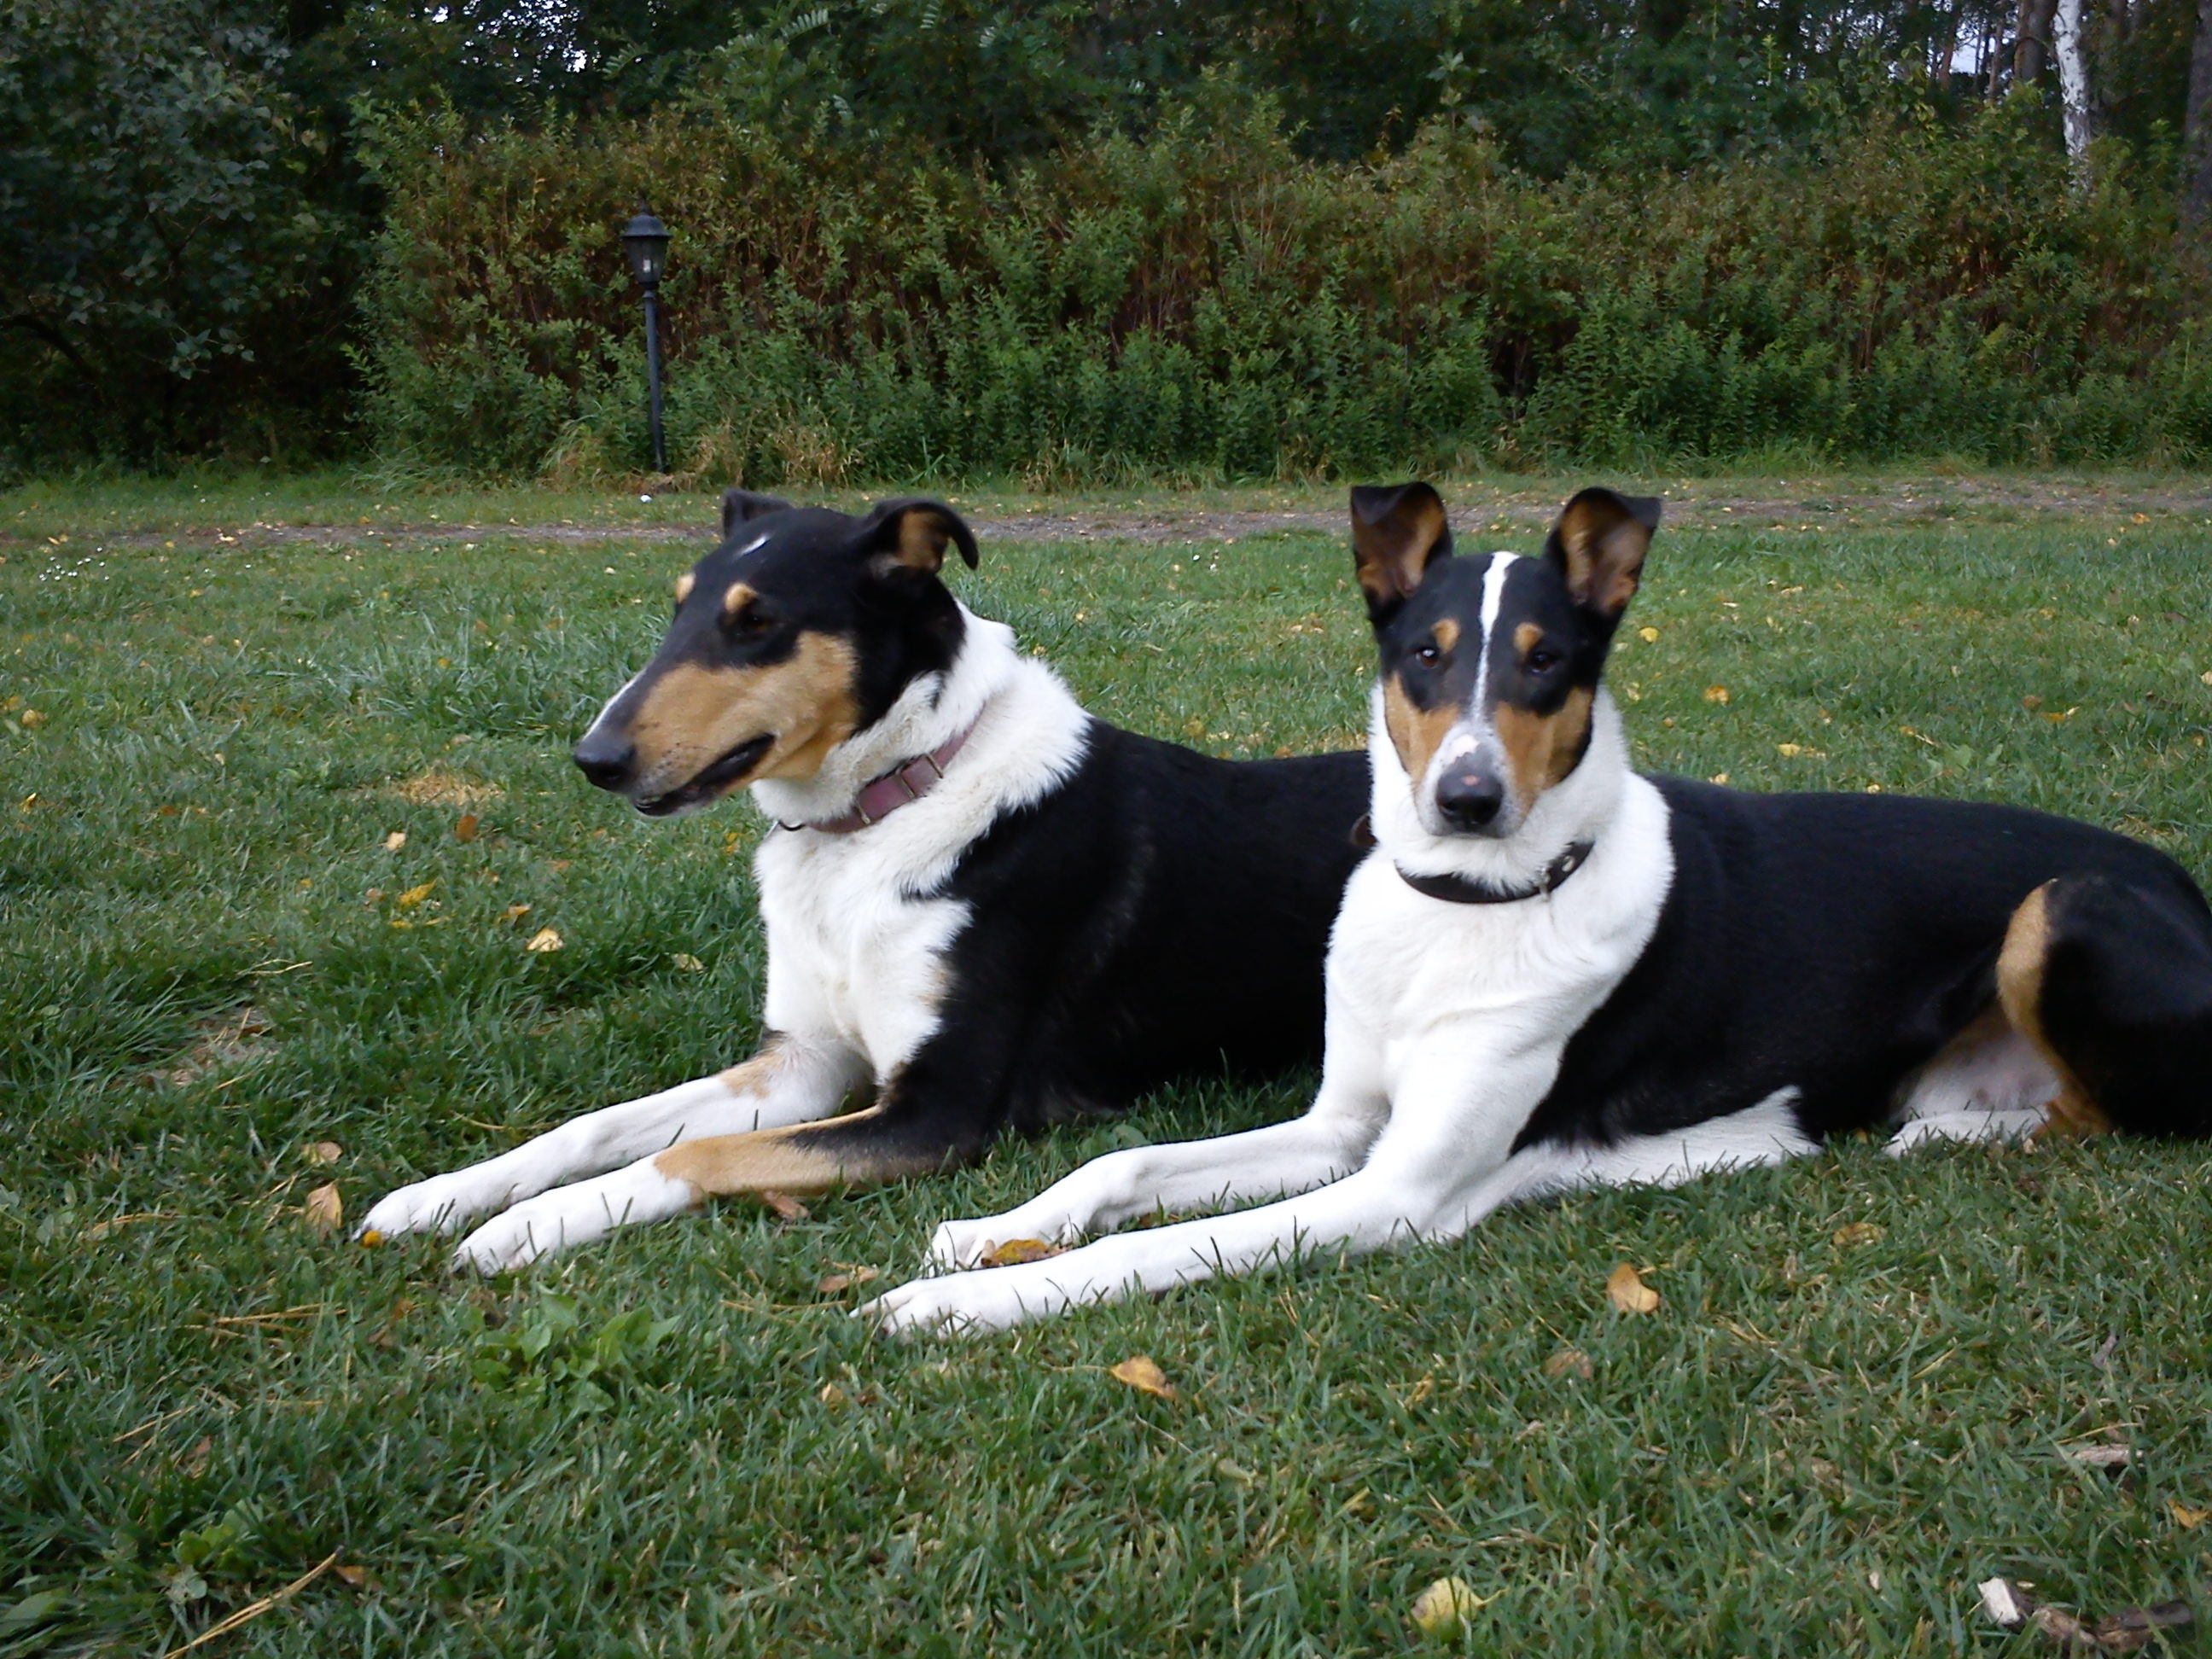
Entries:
{"x":942,"y":1307}
{"x":443,"y":1204}
{"x":960,"y":1244}
{"x":513,"y":1240}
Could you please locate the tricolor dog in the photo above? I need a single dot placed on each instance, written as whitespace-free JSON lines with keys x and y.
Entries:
{"x":984,"y":908}
{"x":1553,"y":972}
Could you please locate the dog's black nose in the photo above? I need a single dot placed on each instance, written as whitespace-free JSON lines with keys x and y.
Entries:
{"x":606,"y":759}
{"x":1469,"y":800}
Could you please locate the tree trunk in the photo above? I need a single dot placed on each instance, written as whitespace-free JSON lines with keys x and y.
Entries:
{"x":2073,"y":82}
{"x":2027,"y":45}
{"x":2196,"y":183}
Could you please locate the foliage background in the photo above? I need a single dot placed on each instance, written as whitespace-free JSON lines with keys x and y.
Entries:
{"x":923,"y":239}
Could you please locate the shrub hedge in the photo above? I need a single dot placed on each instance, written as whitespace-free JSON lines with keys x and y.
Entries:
{"x":1207,"y":302}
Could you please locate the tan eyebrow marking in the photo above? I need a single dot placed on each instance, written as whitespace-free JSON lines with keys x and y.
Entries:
{"x":684,"y":584}
{"x":739,"y":596}
{"x":1447,"y":634}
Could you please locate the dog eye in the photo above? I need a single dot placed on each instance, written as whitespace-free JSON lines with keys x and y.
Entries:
{"x":1542,"y":658}
{"x":1428,"y":654}
{"x":752,"y":621}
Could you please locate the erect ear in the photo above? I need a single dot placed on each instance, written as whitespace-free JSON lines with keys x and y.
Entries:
{"x":911,"y":534}
{"x":1397,"y":531}
{"x":738,"y":504}
{"x":1599,"y":545}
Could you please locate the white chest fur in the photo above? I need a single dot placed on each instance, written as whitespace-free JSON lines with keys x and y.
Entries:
{"x":855,"y":954}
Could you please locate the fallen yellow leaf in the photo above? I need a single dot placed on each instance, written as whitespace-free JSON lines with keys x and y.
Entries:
{"x":1649,"y":636}
{"x":2206,"y":676}
{"x":1720,"y":777}
{"x":1627,"y":1291}
{"x":325,"y":1151}
{"x":359,"y":1579}
{"x":1141,"y":1371}
{"x":831,"y":1284}
{"x":2185,"y":1517}
{"x":371,"y":1238}
{"x":545,"y":939}
{"x":395,"y":841}
{"x":325,"y":1209}
{"x":415,"y":896}
{"x":1015,"y":1251}
{"x":687,"y":961}
{"x":832,"y":1396}
{"x":1441,"y":1611}
{"x":786,"y":1206}
{"x":2061,"y":717}
{"x":516,"y":911}
{"x":1717,"y":694}
{"x":1857,"y":1232}
{"x":32,"y":720}
{"x":465,"y":829}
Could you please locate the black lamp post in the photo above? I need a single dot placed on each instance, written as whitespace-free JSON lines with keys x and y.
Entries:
{"x":645,"y":239}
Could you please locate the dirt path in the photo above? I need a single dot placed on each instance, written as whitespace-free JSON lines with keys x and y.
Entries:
{"x":1852,"y":504}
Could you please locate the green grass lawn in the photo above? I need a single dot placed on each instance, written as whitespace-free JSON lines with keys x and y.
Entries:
{"x":1856,"y":1401}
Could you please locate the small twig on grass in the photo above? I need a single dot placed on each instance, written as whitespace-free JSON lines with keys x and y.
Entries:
{"x":255,"y":1609}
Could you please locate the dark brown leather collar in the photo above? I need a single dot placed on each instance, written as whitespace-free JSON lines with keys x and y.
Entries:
{"x":1468,"y":890}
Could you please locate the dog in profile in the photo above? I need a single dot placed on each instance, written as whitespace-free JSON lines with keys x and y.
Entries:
{"x":985,"y":909}
{"x":1553,"y":972}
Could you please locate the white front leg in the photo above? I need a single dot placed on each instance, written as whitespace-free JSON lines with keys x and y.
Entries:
{"x":1329,"y":1142}
{"x":791,"y":1080}
{"x":1449,"y":1131}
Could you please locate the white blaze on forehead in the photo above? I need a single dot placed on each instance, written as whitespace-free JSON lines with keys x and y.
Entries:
{"x":1475,"y":723}
{"x":758,"y":541}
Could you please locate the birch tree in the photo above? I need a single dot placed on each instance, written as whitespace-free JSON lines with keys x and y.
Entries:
{"x":2072,"y":83}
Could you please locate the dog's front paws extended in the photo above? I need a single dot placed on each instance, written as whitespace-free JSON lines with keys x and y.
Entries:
{"x":443,"y":1204}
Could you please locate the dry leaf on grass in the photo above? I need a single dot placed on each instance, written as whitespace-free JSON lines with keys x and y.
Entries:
{"x":1141,"y":1371}
{"x":395,"y":841}
{"x":1856,"y":1232}
{"x":545,"y":939}
{"x":325,"y":1209}
{"x":1627,"y":1291}
{"x":1649,"y":636}
{"x":786,"y":1206}
{"x":1717,"y":694}
{"x":415,"y":896}
{"x":2009,"y":1604}
{"x":1574,"y":1361}
{"x":685,"y":961}
{"x":324,"y":1152}
{"x":831,"y":1284}
{"x":465,"y":829}
{"x":832,"y":1396}
{"x":2099,"y":1456}
{"x":1015,"y":1251}
{"x":2185,"y":1517}
{"x":1440,"y":1611}
{"x":357,"y":1578}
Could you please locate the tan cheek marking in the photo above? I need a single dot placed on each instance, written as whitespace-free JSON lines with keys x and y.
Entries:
{"x":738,"y":597}
{"x":808,"y":1157}
{"x":684,"y":584}
{"x":1541,"y":749}
{"x":692,"y":715}
{"x":1417,"y":733}
{"x":2019,"y":992}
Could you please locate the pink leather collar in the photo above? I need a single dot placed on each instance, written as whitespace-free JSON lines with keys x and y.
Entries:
{"x":881,"y":797}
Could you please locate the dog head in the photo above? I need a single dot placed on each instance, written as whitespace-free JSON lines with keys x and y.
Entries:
{"x":1490,"y":663}
{"x":797,"y":631}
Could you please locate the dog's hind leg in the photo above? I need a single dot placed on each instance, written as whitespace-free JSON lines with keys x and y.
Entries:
{"x":791,"y":1080}
{"x":2113,"y":982}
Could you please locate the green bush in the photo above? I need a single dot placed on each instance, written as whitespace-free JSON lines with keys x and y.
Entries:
{"x":1205,"y":301}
